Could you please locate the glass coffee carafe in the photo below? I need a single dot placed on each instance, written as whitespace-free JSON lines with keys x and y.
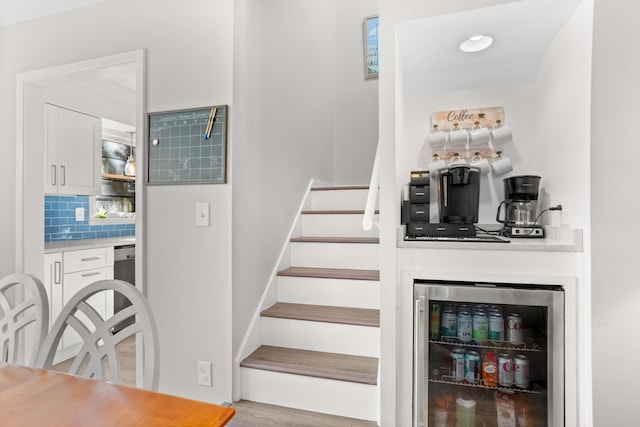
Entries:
{"x":518,"y":213}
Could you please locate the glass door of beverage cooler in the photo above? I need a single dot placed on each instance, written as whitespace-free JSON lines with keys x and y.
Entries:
{"x":488,"y":355}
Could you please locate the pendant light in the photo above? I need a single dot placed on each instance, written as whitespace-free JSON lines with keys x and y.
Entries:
{"x":130,"y":167}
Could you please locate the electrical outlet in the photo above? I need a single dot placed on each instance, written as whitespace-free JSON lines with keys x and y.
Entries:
{"x":204,"y":374}
{"x":79,"y":214}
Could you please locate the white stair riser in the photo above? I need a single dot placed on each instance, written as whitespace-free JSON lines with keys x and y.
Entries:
{"x":336,"y":225}
{"x":340,"y":398}
{"x":339,"y":200}
{"x":332,"y":292}
{"x":321,"y":336}
{"x":335,"y":255}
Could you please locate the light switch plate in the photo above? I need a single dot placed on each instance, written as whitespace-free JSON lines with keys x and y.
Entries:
{"x":202,"y":214}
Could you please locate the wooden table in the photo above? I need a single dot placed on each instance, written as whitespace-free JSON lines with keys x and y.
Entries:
{"x":36,"y":397}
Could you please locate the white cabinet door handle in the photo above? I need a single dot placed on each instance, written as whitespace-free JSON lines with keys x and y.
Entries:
{"x":63,"y":177}
{"x":54,"y":174}
{"x":94,"y":273}
{"x":93,"y":258}
{"x":57,"y":272}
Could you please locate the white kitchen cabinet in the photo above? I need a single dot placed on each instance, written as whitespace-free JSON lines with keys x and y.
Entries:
{"x":73,"y":282}
{"x":73,"y":152}
{"x":67,"y":272}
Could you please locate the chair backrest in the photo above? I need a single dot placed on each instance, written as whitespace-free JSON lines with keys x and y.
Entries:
{"x":17,"y":312}
{"x":98,"y":353}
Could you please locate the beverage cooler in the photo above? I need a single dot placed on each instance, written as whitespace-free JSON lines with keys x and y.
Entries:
{"x":488,"y":355}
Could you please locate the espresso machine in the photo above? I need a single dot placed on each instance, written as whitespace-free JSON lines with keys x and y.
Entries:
{"x":520,"y":207}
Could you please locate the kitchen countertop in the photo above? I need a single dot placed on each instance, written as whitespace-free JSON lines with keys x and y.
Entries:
{"x":557,"y":239}
{"x":74,"y":245}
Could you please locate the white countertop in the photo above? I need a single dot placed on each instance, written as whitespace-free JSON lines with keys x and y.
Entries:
{"x":557,"y":239}
{"x":74,"y":245}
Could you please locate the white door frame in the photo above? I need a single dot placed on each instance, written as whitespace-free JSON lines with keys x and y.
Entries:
{"x":26,"y":246}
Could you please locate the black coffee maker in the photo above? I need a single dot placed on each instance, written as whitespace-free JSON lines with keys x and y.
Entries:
{"x":520,"y":207}
{"x":459,"y":194}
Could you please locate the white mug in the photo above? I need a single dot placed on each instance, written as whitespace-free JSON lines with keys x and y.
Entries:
{"x":436,"y":166}
{"x":458,"y":138}
{"x":482,"y":164}
{"x":501,"y":165}
{"x":457,"y":160}
{"x":479,"y":136}
{"x":501,"y":135}
{"x":437,"y":138}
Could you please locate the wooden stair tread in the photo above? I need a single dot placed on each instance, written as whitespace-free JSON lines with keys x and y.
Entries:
{"x":324,"y":313}
{"x":252,"y":414}
{"x":318,"y":239}
{"x":331,"y":273}
{"x":342,"y":367}
{"x":343,"y":187}
{"x":335,"y":212}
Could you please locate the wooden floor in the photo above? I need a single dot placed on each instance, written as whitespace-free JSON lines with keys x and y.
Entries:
{"x":248,"y":414}
{"x":126,"y":356}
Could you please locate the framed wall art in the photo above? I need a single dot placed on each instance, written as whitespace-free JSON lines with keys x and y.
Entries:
{"x":188,"y":146}
{"x":370,"y":39}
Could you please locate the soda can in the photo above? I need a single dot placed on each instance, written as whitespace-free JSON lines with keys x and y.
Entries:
{"x":457,"y":364}
{"x":472,"y":366}
{"x":521,"y":371}
{"x":465,"y":326}
{"x":449,"y":323}
{"x":514,"y":328}
{"x":496,"y":326}
{"x":480,"y":332}
{"x":479,"y":307}
{"x":505,"y":370}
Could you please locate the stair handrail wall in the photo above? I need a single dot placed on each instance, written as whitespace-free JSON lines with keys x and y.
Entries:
{"x":252,"y":338}
{"x":372,"y":195}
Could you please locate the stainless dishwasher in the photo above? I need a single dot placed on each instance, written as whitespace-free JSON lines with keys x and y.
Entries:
{"x":124,"y":268}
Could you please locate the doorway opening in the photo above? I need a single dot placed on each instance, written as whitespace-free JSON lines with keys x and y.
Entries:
{"x":110,"y":88}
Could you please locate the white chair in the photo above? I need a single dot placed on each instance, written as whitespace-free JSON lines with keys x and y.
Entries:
{"x":17,"y":312}
{"x":98,"y":350}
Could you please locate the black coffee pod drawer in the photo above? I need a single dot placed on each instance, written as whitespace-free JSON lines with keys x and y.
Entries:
{"x":419,"y":213}
{"x":417,"y":229}
{"x":419,"y":194}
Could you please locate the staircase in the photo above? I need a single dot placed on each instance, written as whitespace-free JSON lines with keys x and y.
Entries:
{"x":321,"y":339}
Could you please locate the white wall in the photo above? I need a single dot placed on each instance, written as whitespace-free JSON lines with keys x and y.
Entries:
{"x":282,"y":133}
{"x":355,"y":111}
{"x":188,"y":269}
{"x":615,"y":201}
{"x":562,"y":118}
{"x":297,"y":83}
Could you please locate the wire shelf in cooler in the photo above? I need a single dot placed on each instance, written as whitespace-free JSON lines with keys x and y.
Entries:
{"x":502,"y":345}
{"x":465,"y":383}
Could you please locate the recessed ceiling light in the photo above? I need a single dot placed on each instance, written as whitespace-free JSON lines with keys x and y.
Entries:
{"x":476,"y":43}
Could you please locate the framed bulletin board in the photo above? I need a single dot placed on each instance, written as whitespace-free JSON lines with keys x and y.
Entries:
{"x":188,"y":146}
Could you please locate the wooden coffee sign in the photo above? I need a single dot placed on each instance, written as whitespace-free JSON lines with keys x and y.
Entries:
{"x":466,"y":118}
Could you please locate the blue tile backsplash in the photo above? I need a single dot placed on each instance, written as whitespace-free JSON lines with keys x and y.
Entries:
{"x":60,"y":221}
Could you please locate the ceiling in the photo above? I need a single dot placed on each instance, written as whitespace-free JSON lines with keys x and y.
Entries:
{"x":431,"y":61}
{"x":16,"y":11}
